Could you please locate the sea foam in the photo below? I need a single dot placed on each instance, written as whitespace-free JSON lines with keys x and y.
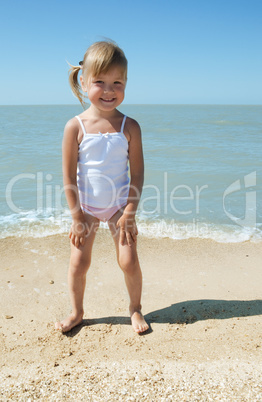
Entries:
{"x":38,"y":224}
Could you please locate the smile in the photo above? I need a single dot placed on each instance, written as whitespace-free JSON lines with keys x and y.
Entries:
{"x":108,"y":100}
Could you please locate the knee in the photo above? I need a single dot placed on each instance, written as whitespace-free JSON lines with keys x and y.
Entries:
{"x":79,"y":265}
{"x":128,"y":264}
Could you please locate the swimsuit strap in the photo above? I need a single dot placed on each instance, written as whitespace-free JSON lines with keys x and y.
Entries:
{"x":81,"y":124}
{"x":83,"y":127}
{"x":123,"y":124}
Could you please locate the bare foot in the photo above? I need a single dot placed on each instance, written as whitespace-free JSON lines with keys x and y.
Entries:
{"x":138,"y":322}
{"x":68,"y":323}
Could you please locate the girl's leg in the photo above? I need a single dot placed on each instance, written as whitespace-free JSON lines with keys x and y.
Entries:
{"x":128,"y":261}
{"x":80,"y":261}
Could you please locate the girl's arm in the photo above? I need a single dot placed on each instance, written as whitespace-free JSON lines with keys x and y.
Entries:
{"x":127,"y":224}
{"x":79,"y":228}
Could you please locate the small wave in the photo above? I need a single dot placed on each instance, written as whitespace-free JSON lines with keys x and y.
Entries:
{"x":200,"y":230}
{"x":51,"y":222}
{"x":229,"y":123}
{"x":35,"y":223}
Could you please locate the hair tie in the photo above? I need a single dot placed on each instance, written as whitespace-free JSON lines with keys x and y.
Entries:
{"x":81,"y":64}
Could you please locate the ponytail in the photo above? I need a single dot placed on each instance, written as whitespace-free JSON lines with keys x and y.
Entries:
{"x":74,"y":84}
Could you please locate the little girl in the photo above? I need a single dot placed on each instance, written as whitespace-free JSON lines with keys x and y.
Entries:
{"x":97,"y":145}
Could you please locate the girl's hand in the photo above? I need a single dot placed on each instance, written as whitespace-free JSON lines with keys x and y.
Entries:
{"x":78,"y":233}
{"x":128,"y":229}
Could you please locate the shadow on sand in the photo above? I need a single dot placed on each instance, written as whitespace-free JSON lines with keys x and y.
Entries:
{"x":187,"y":312}
{"x":191,"y":311}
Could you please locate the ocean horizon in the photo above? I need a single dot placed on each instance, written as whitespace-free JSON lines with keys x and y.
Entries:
{"x":203,"y":170}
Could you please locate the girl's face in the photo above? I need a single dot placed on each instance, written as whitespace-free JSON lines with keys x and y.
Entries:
{"x":107,"y":91}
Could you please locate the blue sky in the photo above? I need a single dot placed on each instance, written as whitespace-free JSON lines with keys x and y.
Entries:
{"x":179,"y":51}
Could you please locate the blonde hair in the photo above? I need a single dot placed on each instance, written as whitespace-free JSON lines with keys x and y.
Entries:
{"x":98,"y":59}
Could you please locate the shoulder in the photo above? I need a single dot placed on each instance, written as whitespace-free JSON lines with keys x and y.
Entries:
{"x":71,"y":130}
{"x":132,"y":124}
{"x":132,"y":128}
{"x":72,"y":125}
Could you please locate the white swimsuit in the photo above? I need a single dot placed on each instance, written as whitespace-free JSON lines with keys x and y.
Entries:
{"x":102,"y":171}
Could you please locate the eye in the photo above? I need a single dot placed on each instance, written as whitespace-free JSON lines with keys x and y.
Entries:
{"x":99,"y":82}
{"x":118,"y":83}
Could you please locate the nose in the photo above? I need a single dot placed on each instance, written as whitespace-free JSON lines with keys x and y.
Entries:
{"x":108,"y":88}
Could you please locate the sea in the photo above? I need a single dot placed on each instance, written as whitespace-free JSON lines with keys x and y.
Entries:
{"x":203,"y":171}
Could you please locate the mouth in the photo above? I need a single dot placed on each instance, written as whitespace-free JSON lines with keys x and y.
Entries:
{"x":108,"y":100}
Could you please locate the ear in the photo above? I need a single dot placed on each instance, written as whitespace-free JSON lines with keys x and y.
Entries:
{"x":83,"y":85}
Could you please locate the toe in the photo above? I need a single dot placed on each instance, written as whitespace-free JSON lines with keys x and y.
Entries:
{"x":58,"y":325}
{"x":144,"y":328}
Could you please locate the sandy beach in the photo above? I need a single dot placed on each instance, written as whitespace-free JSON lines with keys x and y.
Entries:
{"x":202,"y":299}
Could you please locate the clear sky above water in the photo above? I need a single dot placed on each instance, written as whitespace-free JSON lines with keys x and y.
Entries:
{"x":179,"y":52}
